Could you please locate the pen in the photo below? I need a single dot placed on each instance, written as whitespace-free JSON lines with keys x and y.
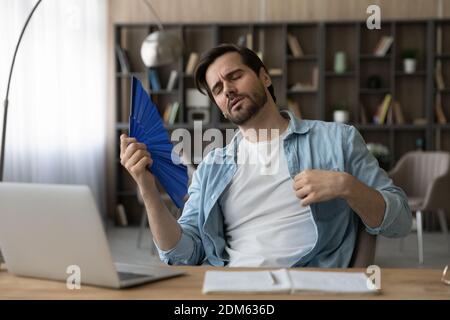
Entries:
{"x":272,"y":277}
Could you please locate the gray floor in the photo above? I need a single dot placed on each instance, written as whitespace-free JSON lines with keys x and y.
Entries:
{"x":123,"y":243}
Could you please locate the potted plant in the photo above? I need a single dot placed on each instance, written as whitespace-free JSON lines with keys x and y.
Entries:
{"x":409,"y":57}
{"x":381,"y":153}
{"x":340,"y":112}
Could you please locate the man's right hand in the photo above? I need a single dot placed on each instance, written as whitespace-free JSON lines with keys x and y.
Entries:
{"x":135,"y":158}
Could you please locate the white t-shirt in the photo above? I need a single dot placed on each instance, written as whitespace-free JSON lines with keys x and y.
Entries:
{"x":265,"y":223}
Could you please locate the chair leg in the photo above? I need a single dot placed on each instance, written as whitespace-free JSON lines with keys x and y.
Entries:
{"x":444,"y":227}
{"x":419,"y":236}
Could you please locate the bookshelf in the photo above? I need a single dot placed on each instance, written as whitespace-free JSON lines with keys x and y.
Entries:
{"x":361,"y":86}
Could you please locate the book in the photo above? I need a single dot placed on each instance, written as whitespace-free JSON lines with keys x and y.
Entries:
{"x":383,"y":46}
{"x":440,"y":115}
{"x":173,"y":112}
{"x":124,"y":62}
{"x":153,"y":79}
{"x":192,"y":63}
{"x":383,"y":109}
{"x":294,"y":45}
{"x":398,"y":113}
{"x":439,"y":77}
{"x":249,"y":41}
{"x":172,"y":80}
{"x":287,"y":281}
{"x":275,"y":71}
{"x":166,"y":113}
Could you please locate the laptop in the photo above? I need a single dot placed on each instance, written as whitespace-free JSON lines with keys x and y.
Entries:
{"x":47,"y":229}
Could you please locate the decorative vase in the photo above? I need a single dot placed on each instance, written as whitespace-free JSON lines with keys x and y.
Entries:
{"x":409,"y":65}
{"x":340,"y":63}
{"x":340,"y":116}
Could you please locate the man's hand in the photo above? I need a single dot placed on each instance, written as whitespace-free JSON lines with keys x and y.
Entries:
{"x":313,"y":186}
{"x":135,"y":158}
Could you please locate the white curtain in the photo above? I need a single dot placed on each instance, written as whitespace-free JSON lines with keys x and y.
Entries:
{"x":57,"y":113}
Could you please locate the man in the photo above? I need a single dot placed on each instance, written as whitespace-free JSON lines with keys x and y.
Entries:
{"x":304,"y":213}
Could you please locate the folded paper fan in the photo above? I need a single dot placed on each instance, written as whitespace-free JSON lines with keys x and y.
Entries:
{"x":147,"y":127}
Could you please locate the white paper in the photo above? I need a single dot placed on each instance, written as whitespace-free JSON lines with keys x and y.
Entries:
{"x":284,"y":281}
{"x":336,"y":282}
{"x":247,"y":282}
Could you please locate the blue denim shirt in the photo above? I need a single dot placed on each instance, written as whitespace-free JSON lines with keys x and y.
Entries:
{"x":308,"y":145}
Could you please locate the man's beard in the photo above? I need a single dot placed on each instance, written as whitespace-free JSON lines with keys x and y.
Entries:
{"x":245,"y":112}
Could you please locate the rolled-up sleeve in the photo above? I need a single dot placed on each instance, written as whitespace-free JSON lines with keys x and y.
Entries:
{"x":397,"y":220}
{"x":189,"y":249}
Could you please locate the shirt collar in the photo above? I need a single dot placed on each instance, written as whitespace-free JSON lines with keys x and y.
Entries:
{"x":297,"y":126}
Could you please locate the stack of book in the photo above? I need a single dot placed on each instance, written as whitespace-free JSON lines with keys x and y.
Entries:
{"x":388,"y":112}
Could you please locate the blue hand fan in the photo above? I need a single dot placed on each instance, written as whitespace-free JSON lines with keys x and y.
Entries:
{"x":147,"y":127}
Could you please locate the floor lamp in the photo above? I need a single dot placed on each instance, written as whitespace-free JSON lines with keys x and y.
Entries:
{"x":6,"y":102}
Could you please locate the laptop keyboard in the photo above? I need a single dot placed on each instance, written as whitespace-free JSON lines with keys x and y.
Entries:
{"x":123,"y":276}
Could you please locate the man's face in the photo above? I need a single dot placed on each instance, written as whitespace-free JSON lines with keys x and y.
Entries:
{"x":237,"y":90}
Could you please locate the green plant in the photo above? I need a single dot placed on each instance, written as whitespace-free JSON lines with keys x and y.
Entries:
{"x":410,"y":54}
{"x":340,"y":106}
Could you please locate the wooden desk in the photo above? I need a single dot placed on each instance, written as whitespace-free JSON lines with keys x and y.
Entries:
{"x":395,"y":284}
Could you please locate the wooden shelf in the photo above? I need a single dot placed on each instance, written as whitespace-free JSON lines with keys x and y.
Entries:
{"x":420,"y":73}
{"x":320,"y":41}
{"x":311,"y":57}
{"x":374,"y":57}
{"x":340,"y":75}
{"x":374,"y":91}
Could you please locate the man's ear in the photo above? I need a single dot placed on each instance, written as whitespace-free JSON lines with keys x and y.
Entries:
{"x":265,"y":78}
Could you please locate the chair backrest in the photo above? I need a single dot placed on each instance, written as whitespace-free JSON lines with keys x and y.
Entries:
{"x":416,"y":170}
{"x":364,"y":252}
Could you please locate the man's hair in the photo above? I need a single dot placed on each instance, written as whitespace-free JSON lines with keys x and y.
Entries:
{"x":249,"y":58}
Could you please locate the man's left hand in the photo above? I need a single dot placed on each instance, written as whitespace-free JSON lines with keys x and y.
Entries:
{"x":313,"y":186}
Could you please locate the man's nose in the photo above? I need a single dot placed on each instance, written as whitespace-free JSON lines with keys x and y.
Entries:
{"x":230,"y":90}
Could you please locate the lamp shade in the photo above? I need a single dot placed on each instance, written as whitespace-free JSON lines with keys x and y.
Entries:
{"x":160,"y":48}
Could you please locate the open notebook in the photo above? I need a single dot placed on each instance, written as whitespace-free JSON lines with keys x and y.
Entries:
{"x":287,"y":281}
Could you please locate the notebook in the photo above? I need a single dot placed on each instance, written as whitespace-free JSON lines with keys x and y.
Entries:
{"x":287,"y":281}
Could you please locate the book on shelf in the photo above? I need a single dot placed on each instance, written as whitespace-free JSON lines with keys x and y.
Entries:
{"x":192,"y":63}
{"x":398,"y":113}
{"x":172,"y":80}
{"x":440,"y":115}
{"x":380,"y":116}
{"x":275,"y":71}
{"x":294,"y":45}
{"x":383,"y":46}
{"x":294,"y":107}
{"x":249,"y":40}
{"x":171,"y":112}
{"x":390,"y":116}
{"x":124,"y":62}
{"x":440,"y":84}
{"x":153,"y":80}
